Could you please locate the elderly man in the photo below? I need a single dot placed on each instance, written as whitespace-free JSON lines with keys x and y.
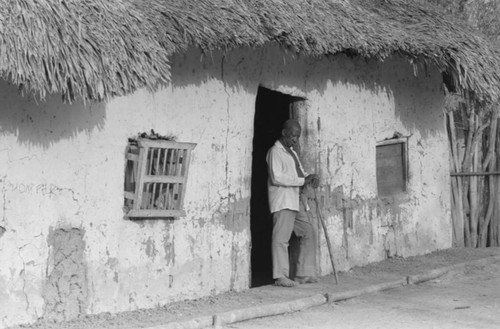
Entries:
{"x":286,"y":176}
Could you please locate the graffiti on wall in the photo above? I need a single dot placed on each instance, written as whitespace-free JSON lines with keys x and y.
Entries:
{"x":44,"y":189}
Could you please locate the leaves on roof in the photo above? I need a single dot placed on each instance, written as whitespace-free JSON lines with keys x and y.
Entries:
{"x":97,"y":49}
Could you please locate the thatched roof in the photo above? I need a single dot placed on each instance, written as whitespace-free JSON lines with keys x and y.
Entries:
{"x":484,"y":15}
{"x":95,"y":49}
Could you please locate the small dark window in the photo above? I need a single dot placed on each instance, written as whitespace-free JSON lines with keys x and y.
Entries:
{"x":391,"y":167}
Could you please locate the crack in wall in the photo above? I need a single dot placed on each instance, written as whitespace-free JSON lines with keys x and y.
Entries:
{"x":22,"y":275}
{"x":4,"y":197}
{"x":230,"y":196}
{"x":228,"y":119}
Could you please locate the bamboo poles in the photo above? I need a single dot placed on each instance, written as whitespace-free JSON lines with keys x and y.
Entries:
{"x":490,"y":163}
{"x":474,"y":141}
{"x":456,"y":187}
{"x":495,"y":222}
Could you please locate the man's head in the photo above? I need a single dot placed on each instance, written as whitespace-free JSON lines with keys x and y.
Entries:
{"x":290,"y":133}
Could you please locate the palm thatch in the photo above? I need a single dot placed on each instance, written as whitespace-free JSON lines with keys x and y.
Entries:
{"x":95,"y":49}
{"x":484,"y":15}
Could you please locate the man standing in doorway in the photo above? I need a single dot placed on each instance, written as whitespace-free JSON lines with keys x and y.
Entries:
{"x":286,"y":177}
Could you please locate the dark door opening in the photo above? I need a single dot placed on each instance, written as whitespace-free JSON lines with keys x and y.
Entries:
{"x":271,"y":110}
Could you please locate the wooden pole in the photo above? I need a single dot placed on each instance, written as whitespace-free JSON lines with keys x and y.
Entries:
{"x":495,"y":225}
{"x":474,"y":211}
{"x":494,"y":232}
{"x":492,"y":173}
{"x":490,"y":161}
{"x":467,"y":118}
{"x":330,"y":250}
{"x":457,"y":210}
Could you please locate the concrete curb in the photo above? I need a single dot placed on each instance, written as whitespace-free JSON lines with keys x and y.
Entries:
{"x":268,"y":310}
{"x":194,"y":323}
{"x":338,"y":296}
{"x":238,"y":315}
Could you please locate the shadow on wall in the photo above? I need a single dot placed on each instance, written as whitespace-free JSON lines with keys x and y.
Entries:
{"x":42,"y":123}
{"x":243,"y":70}
{"x":234,"y":69}
{"x":412,"y":97}
{"x":418,"y":100}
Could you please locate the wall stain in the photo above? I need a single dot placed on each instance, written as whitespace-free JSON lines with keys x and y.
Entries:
{"x":112,"y":263}
{"x":150,"y":248}
{"x":237,"y":218}
{"x":336,"y":203}
{"x":234,"y":264}
{"x":169,"y":244}
{"x":131,"y":298}
{"x":65,"y":291}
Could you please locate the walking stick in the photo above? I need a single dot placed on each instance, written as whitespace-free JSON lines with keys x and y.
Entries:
{"x":318,"y":211}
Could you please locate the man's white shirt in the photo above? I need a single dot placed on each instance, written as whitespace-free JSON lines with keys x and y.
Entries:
{"x":284,"y":182}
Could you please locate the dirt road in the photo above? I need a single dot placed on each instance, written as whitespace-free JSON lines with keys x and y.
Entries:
{"x":469,"y":298}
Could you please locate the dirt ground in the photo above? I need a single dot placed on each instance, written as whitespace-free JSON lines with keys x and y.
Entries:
{"x":467,"y":297}
{"x":387,"y":270}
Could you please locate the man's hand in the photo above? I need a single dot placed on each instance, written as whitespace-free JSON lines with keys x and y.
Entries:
{"x":312,"y":179}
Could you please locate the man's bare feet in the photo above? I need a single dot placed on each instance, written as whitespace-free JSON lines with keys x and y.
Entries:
{"x":306,"y":279}
{"x":285,"y":282}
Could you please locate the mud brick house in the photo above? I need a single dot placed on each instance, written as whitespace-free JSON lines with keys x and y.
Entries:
{"x":95,"y":218}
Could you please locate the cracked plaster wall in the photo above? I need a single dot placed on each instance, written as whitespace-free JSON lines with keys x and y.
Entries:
{"x":65,"y":163}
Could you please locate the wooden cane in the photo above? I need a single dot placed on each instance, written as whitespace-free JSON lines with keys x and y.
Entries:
{"x":318,"y":211}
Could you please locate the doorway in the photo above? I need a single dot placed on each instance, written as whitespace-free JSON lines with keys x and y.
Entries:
{"x":272,"y":109}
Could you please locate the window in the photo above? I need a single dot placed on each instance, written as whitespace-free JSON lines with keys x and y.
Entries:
{"x":392,"y":167}
{"x":155,"y":178}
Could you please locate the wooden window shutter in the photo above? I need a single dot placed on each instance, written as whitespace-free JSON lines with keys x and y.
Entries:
{"x":155,"y":178}
{"x":392,"y":167}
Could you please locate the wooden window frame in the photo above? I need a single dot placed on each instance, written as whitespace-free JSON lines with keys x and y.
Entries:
{"x":142,"y":165}
{"x":405,"y":167}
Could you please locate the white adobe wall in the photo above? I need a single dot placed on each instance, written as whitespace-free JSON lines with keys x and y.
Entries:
{"x":62,"y":198}
{"x":351,"y":104}
{"x":65,"y":248}
{"x":342,"y":132}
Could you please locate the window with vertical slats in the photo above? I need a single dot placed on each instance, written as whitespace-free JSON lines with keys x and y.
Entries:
{"x":155,"y":178}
